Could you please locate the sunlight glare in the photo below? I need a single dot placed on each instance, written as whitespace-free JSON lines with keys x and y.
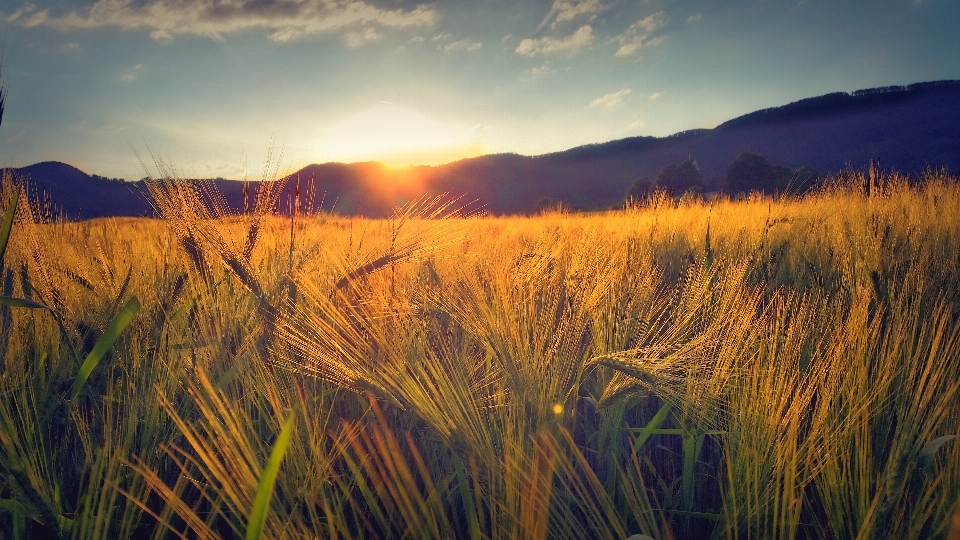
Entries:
{"x":397,"y":136}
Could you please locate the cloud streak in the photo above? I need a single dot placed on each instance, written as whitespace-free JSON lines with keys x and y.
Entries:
{"x":611,"y":100}
{"x":563,"y":11}
{"x":132,"y":74}
{"x":444,"y":43}
{"x":580,"y":39}
{"x":284,"y":20}
{"x":359,"y":38}
{"x":640,"y":34}
{"x":462,"y":45}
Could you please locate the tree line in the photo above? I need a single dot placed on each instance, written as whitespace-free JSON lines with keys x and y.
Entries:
{"x":748,"y":172}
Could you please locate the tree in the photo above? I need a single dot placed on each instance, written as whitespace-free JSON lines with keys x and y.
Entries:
{"x":640,"y":188}
{"x":545,"y":204}
{"x":753,"y":172}
{"x":680,"y":178}
{"x":669,"y":176}
{"x":689,"y":176}
{"x":749,"y":172}
{"x":804,"y":178}
{"x":782,"y":179}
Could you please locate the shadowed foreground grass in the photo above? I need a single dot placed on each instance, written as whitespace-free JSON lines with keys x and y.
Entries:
{"x":761,"y":368}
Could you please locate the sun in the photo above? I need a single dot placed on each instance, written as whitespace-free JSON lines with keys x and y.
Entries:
{"x":397,"y":136}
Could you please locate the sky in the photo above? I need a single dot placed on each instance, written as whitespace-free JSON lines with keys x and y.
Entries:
{"x":219,"y":88}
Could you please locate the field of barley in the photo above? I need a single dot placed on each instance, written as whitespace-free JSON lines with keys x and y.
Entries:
{"x":767,"y":368}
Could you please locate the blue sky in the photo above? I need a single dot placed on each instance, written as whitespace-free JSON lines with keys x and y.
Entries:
{"x":212,"y":85}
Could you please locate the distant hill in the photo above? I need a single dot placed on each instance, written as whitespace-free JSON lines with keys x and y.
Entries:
{"x":80,"y":195}
{"x":902,"y":128}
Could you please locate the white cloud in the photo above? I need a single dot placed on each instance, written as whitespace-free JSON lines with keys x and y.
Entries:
{"x":695,"y":18}
{"x":132,"y":74}
{"x":611,"y":100}
{"x":26,"y":9}
{"x":366,"y":35}
{"x":283,"y":19}
{"x":167,"y":37}
{"x":583,"y":37}
{"x":651,"y":23}
{"x":462,"y":45}
{"x":564,"y":11}
{"x":638,"y":124}
{"x":459,"y":45}
{"x":545,"y":69}
{"x":28,"y":15}
{"x":638,"y":35}
{"x":655,"y":96}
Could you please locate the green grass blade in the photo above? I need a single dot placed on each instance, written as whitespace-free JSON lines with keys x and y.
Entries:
{"x":651,"y":426}
{"x":692,"y":445}
{"x":19,"y":516}
{"x":261,"y":503}
{"x":182,"y":309}
{"x":467,"y":496}
{"x":10,"y":301}
{"x":103,"y":344}
{"x":7,"y":225}
{"x":228,"y":377}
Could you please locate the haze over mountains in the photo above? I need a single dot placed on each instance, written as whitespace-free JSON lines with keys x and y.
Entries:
{"x":901,"y":128}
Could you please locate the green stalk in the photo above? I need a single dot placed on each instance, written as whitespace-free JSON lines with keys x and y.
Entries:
{"x":119,"y":322}
{"x":10,"y":301}
{"x":261,"y":503}
{"x":651,"y":427}
{"x":7,"y":224}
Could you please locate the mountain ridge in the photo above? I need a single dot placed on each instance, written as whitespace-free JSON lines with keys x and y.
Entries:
{"x":906,"y":128}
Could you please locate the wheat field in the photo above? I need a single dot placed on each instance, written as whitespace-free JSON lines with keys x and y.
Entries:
{"x":769,"y":368}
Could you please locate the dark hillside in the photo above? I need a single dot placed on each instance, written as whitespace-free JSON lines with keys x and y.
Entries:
{"x":80,"y":195}
{"x":901,"y":128}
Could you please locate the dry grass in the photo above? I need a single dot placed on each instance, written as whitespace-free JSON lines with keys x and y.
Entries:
{"x":764,"y":368}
